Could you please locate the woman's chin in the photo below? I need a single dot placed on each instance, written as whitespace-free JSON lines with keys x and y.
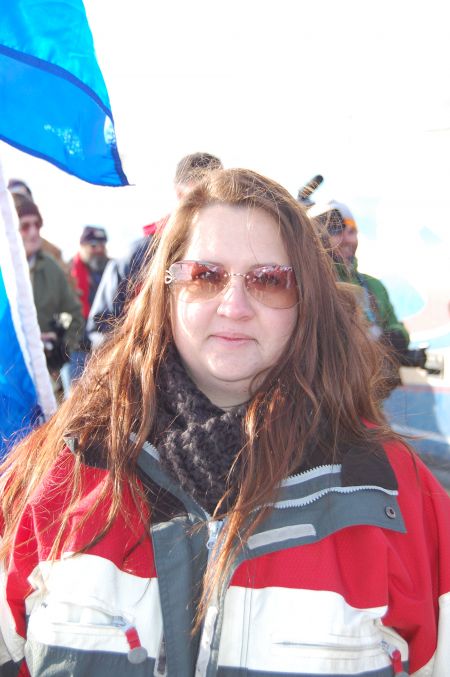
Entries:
{"x":226,"y":388}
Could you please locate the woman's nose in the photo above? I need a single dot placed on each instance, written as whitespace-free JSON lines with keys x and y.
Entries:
{"x":234,"y":301}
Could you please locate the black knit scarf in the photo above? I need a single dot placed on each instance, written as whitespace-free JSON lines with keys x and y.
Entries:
{"x":196,"y":440}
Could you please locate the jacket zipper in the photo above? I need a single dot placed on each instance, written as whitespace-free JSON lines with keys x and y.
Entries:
{"x":214,"y":529}
{"x":298,"y":502}
{"x":329,"y":645}
{"x":209,"y":624}
{"x":391,"y":650}
{"x":207,"y":633}
{"x":136,"y":652}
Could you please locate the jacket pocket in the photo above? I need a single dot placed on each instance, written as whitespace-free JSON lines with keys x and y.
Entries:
{"x":334,"y":654}
{"x":88,"y":626}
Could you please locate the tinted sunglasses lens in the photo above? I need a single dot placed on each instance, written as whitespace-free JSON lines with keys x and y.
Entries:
{"x":197,"y":281}
{"x":25,"y":227}
{"x":274,"y":286}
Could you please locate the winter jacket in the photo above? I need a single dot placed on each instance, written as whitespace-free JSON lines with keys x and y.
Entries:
{"x":53,"y":296}
{"x":383,"y":311}
{"x":116,"y":286}
{"x":114,"y":289}
{"x":86,"y":282}
{"x":348,"y":575}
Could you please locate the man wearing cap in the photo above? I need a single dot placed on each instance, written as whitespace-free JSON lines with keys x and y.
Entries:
{"x":340,"y":235}
{"x":19,"y":187}
{"x":86,"y":268}
{"x":88,"y":265}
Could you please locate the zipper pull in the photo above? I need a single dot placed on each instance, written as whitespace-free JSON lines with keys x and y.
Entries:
{"x":137,"y":653}
{"x":214,"y":528}
{"x":396,"y":659}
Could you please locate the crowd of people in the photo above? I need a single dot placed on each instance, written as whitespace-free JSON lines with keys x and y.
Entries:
{"x":77,"y":301}
{"x":103,"y":287}
{"x":221,"y":493}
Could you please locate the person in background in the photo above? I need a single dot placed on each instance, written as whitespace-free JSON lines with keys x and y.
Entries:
{"x":116,"y":286}
{"x":340,"y":231}
{"x":19,"y":187}
{"x":86,"y":269}
{"x":88,"y":265}
{"x":58,"y":310}
{"x":222,"y":494}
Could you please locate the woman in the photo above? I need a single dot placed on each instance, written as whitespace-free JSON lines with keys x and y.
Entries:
{"x":220,"y":494}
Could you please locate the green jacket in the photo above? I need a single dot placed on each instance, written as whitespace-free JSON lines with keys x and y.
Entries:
{"x":383,"y":313}
{"x":53,"y":295}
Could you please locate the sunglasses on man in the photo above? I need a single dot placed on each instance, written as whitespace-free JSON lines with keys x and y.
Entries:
{"x":26,"y":223}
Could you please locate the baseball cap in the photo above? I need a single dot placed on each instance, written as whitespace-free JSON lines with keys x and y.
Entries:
{"x":335,"y":216}
{"x":93,"y":234}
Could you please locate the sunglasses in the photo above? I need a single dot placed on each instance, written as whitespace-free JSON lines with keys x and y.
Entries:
{"x":24,"y":226}
{"x":273,"y":286}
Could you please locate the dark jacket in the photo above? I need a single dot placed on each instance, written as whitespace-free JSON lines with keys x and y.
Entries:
{"x":115,"y":288}
{"x":380,"y":311}
{"x":53,"y":296}
{"x":86,"y":281}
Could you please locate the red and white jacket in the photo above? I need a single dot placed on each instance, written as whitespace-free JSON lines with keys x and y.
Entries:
{"x":348,"y":575}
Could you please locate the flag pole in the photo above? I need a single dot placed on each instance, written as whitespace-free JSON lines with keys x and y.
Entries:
{"x":17,"y":281}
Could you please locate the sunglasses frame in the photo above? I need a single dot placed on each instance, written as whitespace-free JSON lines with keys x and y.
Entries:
{"x":171,"y":280}
{"x":27,"y":226}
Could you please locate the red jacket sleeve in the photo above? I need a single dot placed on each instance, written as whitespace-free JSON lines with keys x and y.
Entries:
{"x":419,"y":607}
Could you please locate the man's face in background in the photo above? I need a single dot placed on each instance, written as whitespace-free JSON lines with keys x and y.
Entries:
{"x":93,"y":254}
{"x":30,"y":230}
{"x":345,"y":242}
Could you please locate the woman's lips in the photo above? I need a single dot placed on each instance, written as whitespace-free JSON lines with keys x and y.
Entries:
{"x":233,"y":339}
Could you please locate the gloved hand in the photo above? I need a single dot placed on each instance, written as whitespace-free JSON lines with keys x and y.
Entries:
{"x":55,"y":351}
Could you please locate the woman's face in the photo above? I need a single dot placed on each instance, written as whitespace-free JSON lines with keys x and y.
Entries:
{"x":225,"y":341}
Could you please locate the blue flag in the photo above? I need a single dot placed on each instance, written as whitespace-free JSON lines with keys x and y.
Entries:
{"x":26,"y":393}
{"x":53,"y":100}
{"x":19,"y":409}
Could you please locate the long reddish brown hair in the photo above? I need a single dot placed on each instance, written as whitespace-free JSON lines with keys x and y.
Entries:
{"x":323,"y":387}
